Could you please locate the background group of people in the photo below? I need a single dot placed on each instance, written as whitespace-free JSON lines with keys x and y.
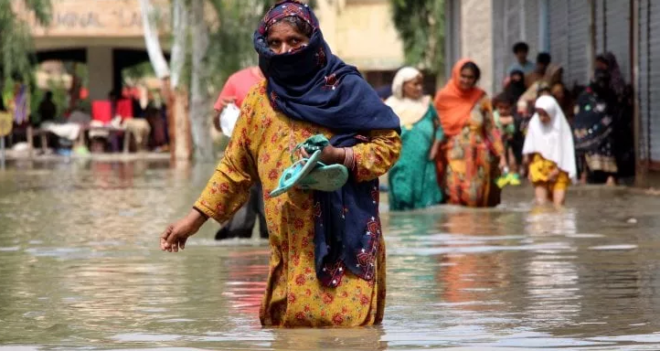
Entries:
{"x":65,"y":120}
{"x":463,"y":147}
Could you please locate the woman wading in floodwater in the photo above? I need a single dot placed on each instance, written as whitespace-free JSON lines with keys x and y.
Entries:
{"x":327,"y":263}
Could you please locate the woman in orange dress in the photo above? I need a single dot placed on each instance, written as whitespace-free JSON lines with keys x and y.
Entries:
{"x":469,"y":159}
{"x":327,"y":262}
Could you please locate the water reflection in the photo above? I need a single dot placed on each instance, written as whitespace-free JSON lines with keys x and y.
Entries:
{"x":80,"y":269}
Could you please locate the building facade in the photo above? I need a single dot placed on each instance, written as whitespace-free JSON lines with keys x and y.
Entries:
{"x":108,"y":36}
{"x":573,"y":32}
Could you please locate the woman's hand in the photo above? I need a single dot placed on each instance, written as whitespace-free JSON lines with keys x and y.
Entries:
{"x":503,"y":164}
{"x":175,"y":235}
{"x":553,"y":175}
{"x":330,"y":155}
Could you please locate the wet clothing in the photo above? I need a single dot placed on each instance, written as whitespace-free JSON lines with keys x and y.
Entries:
{"x":593,"y":129}
{"x":243,"y":221}
{"x":468,"y":162}
{"x":553,"y":140}
{"x":327,"y":251}
{"x":312,"y":85}
{"x":261,"y":149}
{"x":623,"y":128}
{"x":413,"y":180}
{"x":540,"y":170}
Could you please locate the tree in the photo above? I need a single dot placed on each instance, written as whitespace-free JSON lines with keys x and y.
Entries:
{"x":200,"y":102}
{"x":15,"y":36}
{"x":231,"y":47}
{"x":420,"y":24}
{"x":198,"y":71}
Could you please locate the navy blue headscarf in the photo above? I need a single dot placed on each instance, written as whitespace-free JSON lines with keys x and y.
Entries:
{"x":311,"y":84}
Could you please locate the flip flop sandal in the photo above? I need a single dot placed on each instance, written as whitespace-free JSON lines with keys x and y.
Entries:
{"x":325,"y":178}
{"x":291,"y":176}
{"x":294,"y":173}
{"x":502,"y":181}
{"x":514,"y":179}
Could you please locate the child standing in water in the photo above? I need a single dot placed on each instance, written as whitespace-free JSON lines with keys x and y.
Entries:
{"x":549,"y":152}
{"x":505,"y":122}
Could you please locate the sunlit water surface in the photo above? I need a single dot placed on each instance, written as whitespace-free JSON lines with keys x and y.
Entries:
{"x":80,"y":269}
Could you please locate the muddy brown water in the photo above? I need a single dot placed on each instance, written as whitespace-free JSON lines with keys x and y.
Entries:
{"x":80,"y":269}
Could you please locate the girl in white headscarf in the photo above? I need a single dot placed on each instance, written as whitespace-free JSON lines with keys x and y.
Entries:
{"x":549,"y":146}
{"x":413,"y":180}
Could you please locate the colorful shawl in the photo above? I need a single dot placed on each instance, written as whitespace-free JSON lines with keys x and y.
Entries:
{"x":454,"y":104}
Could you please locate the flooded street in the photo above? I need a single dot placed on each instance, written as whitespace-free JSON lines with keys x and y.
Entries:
{"x":81,"y":269}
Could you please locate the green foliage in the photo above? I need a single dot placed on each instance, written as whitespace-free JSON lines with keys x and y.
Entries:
{"x":231,"y":47}
{"x":60,"y":98}
{"x":138,"y":71}
{"x":420,"y":24}
{"x":15,"y":37}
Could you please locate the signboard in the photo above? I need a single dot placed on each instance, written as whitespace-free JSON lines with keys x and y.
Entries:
{"x":98,"y":18}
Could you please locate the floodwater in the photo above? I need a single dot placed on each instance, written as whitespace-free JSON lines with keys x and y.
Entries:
{"x":80,"y":269}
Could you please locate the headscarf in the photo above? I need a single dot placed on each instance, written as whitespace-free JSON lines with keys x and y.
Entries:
{"x":454,"y":105}
{"x":554,"y":140}
{"x":312,"y":85}
{"x":617,"y":84}
{"x":409,"y":111}
{"x":515,"y":89}
{"x":384,"y":92}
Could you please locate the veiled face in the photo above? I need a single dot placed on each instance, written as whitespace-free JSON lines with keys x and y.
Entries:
{"x":285,"y":37}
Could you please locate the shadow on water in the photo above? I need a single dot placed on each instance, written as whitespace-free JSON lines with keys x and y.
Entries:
{"x":80,"y":269}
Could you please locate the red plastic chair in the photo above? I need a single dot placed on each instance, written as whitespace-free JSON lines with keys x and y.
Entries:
{"x":102,"y":111}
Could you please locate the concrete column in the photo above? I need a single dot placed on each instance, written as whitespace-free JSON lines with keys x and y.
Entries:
{"x":477,"y":39}
{"x":100,"y":67}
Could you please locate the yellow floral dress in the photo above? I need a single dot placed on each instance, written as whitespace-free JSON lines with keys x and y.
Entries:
{"x":261,"y":147}
{"x":540,"y":170}
{"x":468,"y":165}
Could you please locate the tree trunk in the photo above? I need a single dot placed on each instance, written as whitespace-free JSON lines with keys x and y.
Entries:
{"x":152,"y":41}
{"x":200,"y":106}
{"x":181,"y":143}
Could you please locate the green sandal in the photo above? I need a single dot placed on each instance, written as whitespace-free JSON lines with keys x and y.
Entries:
{"x":309,"y":173}
{"x":325,"y":178}
{"x":295,"y":173}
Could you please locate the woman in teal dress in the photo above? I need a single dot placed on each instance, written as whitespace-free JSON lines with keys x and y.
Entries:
{"x":413,"y":181}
